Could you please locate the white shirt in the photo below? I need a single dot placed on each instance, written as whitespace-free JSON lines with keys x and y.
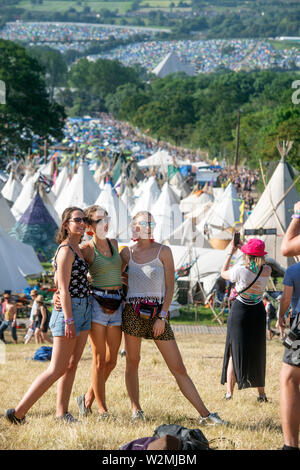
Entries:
{"x":242,"y":277}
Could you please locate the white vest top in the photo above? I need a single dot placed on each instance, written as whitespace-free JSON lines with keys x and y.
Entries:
{"x":146,"y":280}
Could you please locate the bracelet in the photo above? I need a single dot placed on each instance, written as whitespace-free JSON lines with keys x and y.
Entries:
{"x":295,"y":216}
{"x":229,"y":254}
{"x":163,"y":314}
{"x":68,"y":321}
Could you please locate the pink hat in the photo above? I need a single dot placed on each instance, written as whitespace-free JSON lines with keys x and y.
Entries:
{"x":254,"y":247}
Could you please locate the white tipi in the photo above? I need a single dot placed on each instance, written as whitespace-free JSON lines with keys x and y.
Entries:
{"x":273,"y":211}
{"x":12,"y":188}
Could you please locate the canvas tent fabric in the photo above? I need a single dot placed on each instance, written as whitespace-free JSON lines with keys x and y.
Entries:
{"x":148,"y":193}
{"x":225,"y":214}
{"x":37,"y":228}
{"x":7,"y":219}
{"x":26,"y":195}
{"x":161,"y":159}
{"x":172,"y":64}
{"x":12,"y":188}
{"x":61,"y":181}
{"x":17,"y":261}
{"x":167,"y":214}
{"x":116,"y":209}
{"x":82,"y":191}
{"x":273,"y":210}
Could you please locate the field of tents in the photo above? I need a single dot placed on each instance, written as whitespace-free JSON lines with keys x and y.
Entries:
{"x":196,"y":224}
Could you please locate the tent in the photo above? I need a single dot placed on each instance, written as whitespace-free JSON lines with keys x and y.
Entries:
{"x":82,"y":191}
{"x":7,"y":219}
{"x":148,"y":193}
{"x":273,"y":211}
{"x":161,"y":159}
{"x":17,"y":261}
{"x":187,"y":234}
{"x":61,"y":181}
{"x":37,"y":228}
{"x":12,"y":188}
{"x":166,"y":213}
{"x":225,"y":216}
{"x":172,"y":64}
{"x":117,"y":210}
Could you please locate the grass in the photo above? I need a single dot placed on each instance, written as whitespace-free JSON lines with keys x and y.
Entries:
{"x":253,"y":426}
{"x":200,"y":315}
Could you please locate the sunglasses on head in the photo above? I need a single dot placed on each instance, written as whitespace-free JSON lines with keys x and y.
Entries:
{"x":143,"y":223}
{"x":79,"y":219}
{"x":98,"y":221}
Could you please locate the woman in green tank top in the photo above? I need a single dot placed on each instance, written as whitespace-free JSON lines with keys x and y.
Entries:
{"x":105,"y":264}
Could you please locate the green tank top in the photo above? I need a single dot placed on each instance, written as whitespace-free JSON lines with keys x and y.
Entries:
{"x":106,"y":272}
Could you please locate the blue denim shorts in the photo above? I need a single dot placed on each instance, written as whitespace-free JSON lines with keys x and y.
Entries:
{"x":81,"y":312}
{"x":105,"y":319}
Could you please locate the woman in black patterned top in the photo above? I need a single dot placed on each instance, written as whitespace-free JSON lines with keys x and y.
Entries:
{"x":69,"y":326}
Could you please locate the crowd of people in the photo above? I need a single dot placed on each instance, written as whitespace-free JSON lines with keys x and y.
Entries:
{"x":103,"y":293}
{"x":205,"y":55}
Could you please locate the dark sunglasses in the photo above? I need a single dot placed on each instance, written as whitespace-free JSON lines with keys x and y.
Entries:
{"x":106,"y":220}
{"x":79,"y":219}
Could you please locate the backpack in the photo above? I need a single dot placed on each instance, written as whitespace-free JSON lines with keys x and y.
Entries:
{"x":44,"y":353}
{"x":191,"y":439}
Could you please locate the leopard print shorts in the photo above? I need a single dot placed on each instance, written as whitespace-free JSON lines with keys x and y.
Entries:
{"x":134,"y":325}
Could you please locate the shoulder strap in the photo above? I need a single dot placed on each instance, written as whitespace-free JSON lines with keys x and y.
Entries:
{"x":251,"y":284}
{"x":110,"y":246}
{"x":60,"y":246}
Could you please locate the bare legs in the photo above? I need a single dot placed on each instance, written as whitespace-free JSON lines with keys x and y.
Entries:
{"x":65,"y":357}
{"x":231,"y":379}
{"x":290,"y":404}
{"x":171,"y":354}
{"x":105,"y":342}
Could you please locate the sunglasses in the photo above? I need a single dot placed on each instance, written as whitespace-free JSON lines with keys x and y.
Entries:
{"x":145,"y":224}
{"x":98,"y":221}
{"x":79,"y":219}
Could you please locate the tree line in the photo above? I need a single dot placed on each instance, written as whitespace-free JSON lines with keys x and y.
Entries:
{"x":196,"y":112}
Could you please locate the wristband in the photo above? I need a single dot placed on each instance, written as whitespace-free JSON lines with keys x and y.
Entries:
{"x":68,"y":321}
{"x":295,"y":216}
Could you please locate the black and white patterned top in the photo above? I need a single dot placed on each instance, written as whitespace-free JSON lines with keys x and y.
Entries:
{"x":79,"y":286}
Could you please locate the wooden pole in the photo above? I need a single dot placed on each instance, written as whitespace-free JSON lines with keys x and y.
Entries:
{"x":45,"y":151}
{"x":236,"y":155}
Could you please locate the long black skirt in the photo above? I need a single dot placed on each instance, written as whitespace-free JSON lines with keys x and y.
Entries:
{"x":246,"y":339}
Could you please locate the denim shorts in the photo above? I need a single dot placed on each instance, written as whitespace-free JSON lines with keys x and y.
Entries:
{"x":105,"y":319}
{"x":81,"y":312}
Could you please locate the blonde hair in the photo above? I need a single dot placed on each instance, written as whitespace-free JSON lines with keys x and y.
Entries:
{"x":89,"y":211}
{"x":258,"y":260}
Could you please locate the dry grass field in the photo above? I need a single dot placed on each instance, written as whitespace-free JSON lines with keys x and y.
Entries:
{"x":254,"y":426}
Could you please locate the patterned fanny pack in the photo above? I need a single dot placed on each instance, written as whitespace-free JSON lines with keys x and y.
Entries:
{"x":147,"y":309}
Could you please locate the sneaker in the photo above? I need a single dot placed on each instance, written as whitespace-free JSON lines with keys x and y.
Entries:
{"x":67,"y":418}
{"x":83,"y":410}
{"x":138,"y":416}
{"x":262,"y":399}
{"x":227,"y":396}
{"x":10,"y":416}
{"x":212,"y":419}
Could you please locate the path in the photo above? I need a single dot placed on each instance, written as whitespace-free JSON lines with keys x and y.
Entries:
{"x":199,"y":329}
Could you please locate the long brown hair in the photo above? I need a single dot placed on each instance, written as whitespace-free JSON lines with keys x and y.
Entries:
{"x":62,"y":232}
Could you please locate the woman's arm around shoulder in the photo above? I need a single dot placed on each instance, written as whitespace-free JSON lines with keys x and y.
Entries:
{"x":87,"y":251}
{"x":125,"y":256}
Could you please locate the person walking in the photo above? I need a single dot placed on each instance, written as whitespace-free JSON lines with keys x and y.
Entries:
{"x":150,"y":291}
{"x":245,"y":350}
{"x":10,"y":319}
{"x":69,"y":327}
{"x":43,"y":318}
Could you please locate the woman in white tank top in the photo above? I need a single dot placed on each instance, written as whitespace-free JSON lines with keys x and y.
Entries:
{"x":149,"y":296}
